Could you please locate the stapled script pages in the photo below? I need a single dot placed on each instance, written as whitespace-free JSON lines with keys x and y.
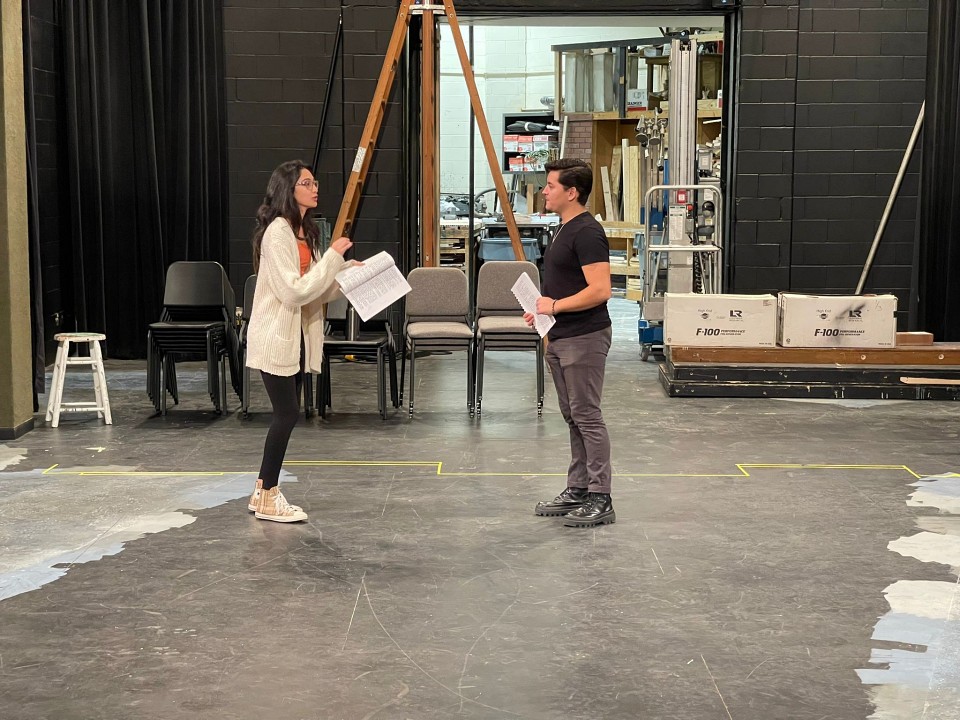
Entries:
{"x":374,"y":285}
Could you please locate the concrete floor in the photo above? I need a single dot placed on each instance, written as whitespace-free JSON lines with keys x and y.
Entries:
{"x":771,"y":559}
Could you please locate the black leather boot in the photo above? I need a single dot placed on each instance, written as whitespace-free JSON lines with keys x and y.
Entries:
{"x":597,"y":510}
{"x":569,"y":499}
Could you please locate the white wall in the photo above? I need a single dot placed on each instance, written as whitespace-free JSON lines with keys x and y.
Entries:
{"x":514,"y":67}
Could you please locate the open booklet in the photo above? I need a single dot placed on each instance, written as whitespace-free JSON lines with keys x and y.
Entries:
{"x":526,"y":293}
{"x":374,"y":285}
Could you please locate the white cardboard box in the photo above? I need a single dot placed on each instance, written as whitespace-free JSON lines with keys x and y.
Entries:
{"x":837,"y":320}
{"x":637,"y":99}
{"x":720,"y":320}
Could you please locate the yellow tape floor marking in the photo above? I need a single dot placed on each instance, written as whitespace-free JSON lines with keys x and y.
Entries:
{"x":743,"y":469}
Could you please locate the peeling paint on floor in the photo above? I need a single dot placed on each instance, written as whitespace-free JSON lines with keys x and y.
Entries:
{"x":11,"y":456}
{"x":44,"y":534}
{"x":919,"y":673}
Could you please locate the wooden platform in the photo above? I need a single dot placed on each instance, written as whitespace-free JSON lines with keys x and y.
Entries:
{"x":930,"y":372}
{"x":938,"y":354}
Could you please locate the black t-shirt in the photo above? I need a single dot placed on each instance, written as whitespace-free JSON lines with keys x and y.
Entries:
{"x":579,"y":242}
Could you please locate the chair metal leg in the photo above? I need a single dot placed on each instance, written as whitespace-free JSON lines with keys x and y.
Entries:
{"x":481,"y":346}
{"x":165,"y":368}
{"x":413,"y":363}
{"x":403,"y":367}
{"x":319,"y":392}
{"x":245,"y":400}
{"x":471,"y":377}
{"x":392,"y":361}
{"x":223,"y":384}
{"x":328,"y":389}
{"x":323,"y":388}
{"x":150,"y":384}
{"x":381,"y":383}
{"x":170,"y":376}
{"x":154,"y":360}
{"x":213,"y":389}
{"x":540,"y":361}
{"x":214,"y":383}
{"x":307,"y":390}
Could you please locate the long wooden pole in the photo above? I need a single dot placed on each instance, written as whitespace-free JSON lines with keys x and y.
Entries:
{"x":429,"y":202}
{"x":492,"y":158}
{"x":371,"y":130}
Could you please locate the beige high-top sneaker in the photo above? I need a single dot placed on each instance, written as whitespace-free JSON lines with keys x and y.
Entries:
{"x":274,"y":506}
{"x":255,"y":497}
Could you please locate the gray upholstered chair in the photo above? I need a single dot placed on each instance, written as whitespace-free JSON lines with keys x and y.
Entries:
{"x":500,"y":324}
{"x":436,"y":322}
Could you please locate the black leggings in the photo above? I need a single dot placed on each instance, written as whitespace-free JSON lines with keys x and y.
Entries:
{"x":284,"y":395}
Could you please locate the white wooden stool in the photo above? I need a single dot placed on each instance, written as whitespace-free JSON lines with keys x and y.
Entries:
{"x":55,"y":404}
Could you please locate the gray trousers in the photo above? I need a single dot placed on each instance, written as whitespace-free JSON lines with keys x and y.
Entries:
{"x":577,"y":365}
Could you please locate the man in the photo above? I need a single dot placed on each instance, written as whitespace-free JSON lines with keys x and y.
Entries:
{"x":576,"y":287}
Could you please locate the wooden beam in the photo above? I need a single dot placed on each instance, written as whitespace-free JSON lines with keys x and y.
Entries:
{"x":371,"y":129}
{"x":611,"y":209}
{"x":914,"y":338}
{"x":558,"y":90}
{"x":616,"y":167}
{"x":929,"y":381}
{"x":484,"y":129}
{"x":429,"y":201}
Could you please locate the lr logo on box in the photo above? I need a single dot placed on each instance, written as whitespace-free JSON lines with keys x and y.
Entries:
{"x":736,"y":313}
{"x":855,"y":314}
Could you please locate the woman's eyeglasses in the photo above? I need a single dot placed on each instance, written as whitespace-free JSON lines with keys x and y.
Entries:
{"x":309,"y":184}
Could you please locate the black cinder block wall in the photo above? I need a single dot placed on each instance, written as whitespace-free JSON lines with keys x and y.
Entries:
{"x":278,"y":56}
{"x":829,"y":94}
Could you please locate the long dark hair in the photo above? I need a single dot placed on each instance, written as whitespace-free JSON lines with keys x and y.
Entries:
{"x":280,"y":202}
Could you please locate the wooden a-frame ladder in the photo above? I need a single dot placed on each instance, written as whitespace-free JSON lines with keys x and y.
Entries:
{"x":429,"y":196}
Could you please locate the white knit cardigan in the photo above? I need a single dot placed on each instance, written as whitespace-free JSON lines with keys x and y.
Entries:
{"x":285,"y":302}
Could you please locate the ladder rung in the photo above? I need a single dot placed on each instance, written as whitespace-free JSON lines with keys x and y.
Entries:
{"x":66,"y":406}
{"x":417,"y":9}
{"x":81,"y":361}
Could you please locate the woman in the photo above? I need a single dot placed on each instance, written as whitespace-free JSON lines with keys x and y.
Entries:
{"x":287,"y":316}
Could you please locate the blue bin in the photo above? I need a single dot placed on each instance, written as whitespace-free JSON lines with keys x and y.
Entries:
{"x":649,"y":334}
{"x":500,"y":248}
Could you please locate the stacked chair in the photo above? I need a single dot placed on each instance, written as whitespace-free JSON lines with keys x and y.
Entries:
{"x":197,"y":322}
{"x":437,"y":310}
{"x":249,"y":288}
{"x":499,"y":319}
{"x":338,"y":343}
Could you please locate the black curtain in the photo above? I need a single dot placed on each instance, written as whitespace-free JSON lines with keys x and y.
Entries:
{"x":33,"y":215}
{"x":939,"y":302}
{"x":145,"y":152}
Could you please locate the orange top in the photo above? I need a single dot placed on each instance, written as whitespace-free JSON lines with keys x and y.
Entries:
{"x":305,"y":256}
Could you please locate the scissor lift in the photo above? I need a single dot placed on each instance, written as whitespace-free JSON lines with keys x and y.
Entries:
{"x":686,"y":256}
